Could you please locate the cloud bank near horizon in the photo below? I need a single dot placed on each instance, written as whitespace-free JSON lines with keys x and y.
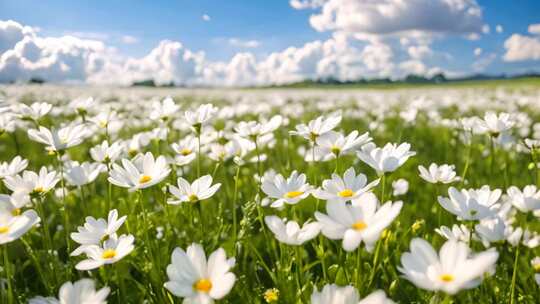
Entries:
{"x":387,"y":38}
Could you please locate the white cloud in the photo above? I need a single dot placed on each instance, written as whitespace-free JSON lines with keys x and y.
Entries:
{"x":168,"y":62}
{"x":499,"y":28}
{"x":521,"y":48}
{"x":127,"y":39}
{"x":236,"y":42}
{"x":58,"y":59}
{"x":395,"y":16}
{"x":477,"y":51}
{"x":205,"y":17}
{"x":482,"y":63}
{"x":534,"y":29}
{"x":12,"y":32}
{"x":88,"y":35}
{"x":303,"y":4}
{"x":413,"y":67}
{"x":419,"y":51}
{"x":485,"y":29}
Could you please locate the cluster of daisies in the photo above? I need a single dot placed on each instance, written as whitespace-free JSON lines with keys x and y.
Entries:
{"x":356,"y":212}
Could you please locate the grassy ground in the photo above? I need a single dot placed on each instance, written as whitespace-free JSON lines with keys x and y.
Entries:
{"x":262,"y":262}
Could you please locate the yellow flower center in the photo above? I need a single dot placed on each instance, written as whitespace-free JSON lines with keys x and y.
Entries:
{"x":203,"y":285}
{"x":293,"y":194}
{"x":360,"y":225}
{"x":39,"y":189}
{"x":193,"y":198}
{"x":145,"y":179}
{"x":4,"y":229}
{"x":336,"y":150}
{"x":536,"y":267}
{"x":109,"y":254}
{"x":185,"y":151}
{"x":271,"y":295}
{"x":346,"y":193}
{"x":446,"y":278}
{"x":103,"y":124}
{"x":16,"y":212}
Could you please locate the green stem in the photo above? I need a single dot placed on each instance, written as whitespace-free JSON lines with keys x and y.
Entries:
{"x":64,"y":203}
{"x":514,"y":277}
{"x":7,"y":269}
{"x":199,"y":153}
{"x":235,"y":197}
{"x":383,"y":187}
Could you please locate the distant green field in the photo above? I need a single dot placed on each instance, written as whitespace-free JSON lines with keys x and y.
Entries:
{"x":516,"y":82}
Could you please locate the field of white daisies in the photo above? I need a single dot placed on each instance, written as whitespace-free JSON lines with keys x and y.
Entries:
{"x":264,"y":196}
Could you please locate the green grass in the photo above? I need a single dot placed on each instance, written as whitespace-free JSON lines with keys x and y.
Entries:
{"x":261,"y":262}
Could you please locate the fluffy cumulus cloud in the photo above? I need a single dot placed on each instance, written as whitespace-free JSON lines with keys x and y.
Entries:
{"x":399,"y":33}
{"x":26,"y":55}
{"x":387,"y":38}
{"x":523,"y":47}
{"x":395,"y":16}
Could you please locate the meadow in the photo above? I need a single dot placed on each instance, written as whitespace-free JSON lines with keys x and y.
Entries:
{"x":133,"y":195}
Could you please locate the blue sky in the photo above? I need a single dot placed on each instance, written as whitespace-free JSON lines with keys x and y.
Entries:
{"x":271,"y":26}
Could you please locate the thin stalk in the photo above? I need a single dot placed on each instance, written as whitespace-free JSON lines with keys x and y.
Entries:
{"x":375,"y":263}
{"x":7,"y":269}
{"x":235,"y":197}
{"x":383,"y":187}
{"x":32,"y":255}
{"x":64,"y":203}
{"x":83,"y":198}
{"x":514,"y":276}
{"x":109,"y":188}
{"x":199,"y":153}
{"x":467,"y":162}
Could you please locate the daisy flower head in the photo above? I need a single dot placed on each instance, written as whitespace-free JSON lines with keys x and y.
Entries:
{"x":286,"y":191}
{"x":362,"y":221}
{"x":17,"y":165}
{"x":83,"y":174}
{"x":164,"y":110}
{"x":95,"y":231}
{"x":471,"y":204}
{"x":317,"y":127}
{"x":453,"y":269}
{"x":13,"y":222}
{"x":386,"y":159}
{"x":524,"y":200}
{"x":32,"y":183}
{"x":335,"y":144}
{"x":57,"y":140}
{"x":35,"y":111}
{"x":186,"y":150}
{"x":197,"y":279}
{"x":142,"y":172}
{"x":197,"y":191}
{"x":105,"y":153}
{"x":333,"y":294}
{"x":110,"y":251}
{"x":81,"y":292}
{"x":201,"y":116}
{"x":495,"y":124}
{"x":289,"y":232}
{"x":350,"y":187}
{"x":444,"y":174}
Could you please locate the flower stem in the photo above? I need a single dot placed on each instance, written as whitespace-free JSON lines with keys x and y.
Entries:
{"x":235,"y":197}
{"x":7,"y":269}
{"x":514,"y":276}
{"x":64,"y":203}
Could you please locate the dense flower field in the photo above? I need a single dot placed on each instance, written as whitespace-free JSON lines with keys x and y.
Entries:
{"x":131,"y":196}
